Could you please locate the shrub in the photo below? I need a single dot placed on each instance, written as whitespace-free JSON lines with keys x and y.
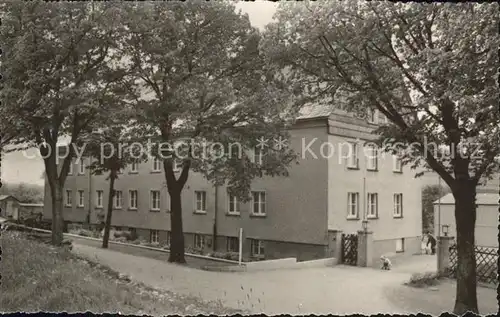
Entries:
{"x":96,"y":234}
{"x":151,"y":244}
{"x":424,"y":279}
{"x":121,"y":239}
{"x":233,"y":256}
{"x":81,"y":232}
{"x":193,"y":250}
{"x":74,"y":226}
{"x":84,"y":233}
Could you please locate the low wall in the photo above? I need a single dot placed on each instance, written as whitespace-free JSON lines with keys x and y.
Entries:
{"x":77,"y":237}
{"x":317,"y":263}
{"x":271,"y":264}
{"x":289,"y":263}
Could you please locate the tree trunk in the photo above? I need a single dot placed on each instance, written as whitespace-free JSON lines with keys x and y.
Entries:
{"x":465,"y":217}
{"x":177,"y":233}
{"x":57,"y":214}
{"x":214,"y":233}
{"x":107,"y":226}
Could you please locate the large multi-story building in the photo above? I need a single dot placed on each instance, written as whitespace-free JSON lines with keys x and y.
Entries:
{"x":338,"y":183}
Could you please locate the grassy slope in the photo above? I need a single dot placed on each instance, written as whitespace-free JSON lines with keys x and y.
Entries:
{"x":38,"y":277}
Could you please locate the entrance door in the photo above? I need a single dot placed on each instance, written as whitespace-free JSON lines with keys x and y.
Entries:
{"x":15,"y":212}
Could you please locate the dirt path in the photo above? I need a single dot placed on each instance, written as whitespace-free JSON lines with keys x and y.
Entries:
{"x":338,"y":290}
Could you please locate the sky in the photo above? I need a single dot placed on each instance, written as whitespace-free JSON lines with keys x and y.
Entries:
{"x":27,"y":167}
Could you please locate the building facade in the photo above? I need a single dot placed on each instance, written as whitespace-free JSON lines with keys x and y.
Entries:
{"x":338,"y":183}
{"x":486,"y":233}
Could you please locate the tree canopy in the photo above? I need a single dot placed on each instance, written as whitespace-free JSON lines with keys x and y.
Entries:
{"x":429,"y":68}
{"x":200,"y":77}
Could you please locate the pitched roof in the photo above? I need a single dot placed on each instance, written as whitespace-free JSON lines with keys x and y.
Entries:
{"x":481,"y":199}
{"x":312,"y":111}
{"x":3,"y":197}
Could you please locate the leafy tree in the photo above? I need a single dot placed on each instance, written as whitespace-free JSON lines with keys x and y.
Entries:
{"x":26,"y":193}
{"x":430,"y":194}
{"x":201,"y":79}
{"x":111,"y":151}
{"x":58,"y":71}
{"x":429,"y":68}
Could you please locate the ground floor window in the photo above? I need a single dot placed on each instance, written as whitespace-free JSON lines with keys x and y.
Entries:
{"x":199,"y":241}
{"x":257,"y":247}
{"x":154,"y":236}
{"x":232,"y":244}
{"x":400,"y":245}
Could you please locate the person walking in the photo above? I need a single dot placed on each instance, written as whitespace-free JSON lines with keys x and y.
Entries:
{"x":432,"y":241}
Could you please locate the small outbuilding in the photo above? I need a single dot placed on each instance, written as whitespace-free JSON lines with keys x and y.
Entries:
{"x":9,"y":206}
{"x":486,"y":218}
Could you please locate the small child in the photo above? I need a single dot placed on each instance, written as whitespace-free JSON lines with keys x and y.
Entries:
{"x":386,"y":263}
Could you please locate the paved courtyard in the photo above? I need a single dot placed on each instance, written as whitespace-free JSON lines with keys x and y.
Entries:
{"x":337,"y":290}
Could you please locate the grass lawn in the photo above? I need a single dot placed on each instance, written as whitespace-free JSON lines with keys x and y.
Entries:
{"x":39,"y":277}
{"x":439,"y":298}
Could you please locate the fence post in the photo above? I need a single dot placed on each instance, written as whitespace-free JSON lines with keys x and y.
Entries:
{"x":443,"y":253}
{"x":365,"y":248}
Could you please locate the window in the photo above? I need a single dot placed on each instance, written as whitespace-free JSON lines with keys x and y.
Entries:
{"x":118,"y":199}
{"x":397,"y":165}
{"x":199,"y":241}
{"x":169,"y":238}
{"x":155,"y":200}
{"x":353,"y":205}
{"x":257,"y":155}
{"x":81,"y":198}
{"x":134,"y":167}
{"x":132,"y":199}
{"x":156,"y":165}
{"x":81,"y":167}
{"x":234,"y":204}
{"x":201,"y":201}
{"x":353,"y":156}
{"x":69,"y":197}
{"x":372,"y":115}
{"x":70,"y":171}
{"x":232,"y":244}
{"x":256,"y":247}
{"x":372,"y":159}
{"x":398,"y":205}
{"x":400,"y":245}
{"x":154,"y":236}
{"x":98,"y":202}
{"x":372,"y":205}
{"x":259,"y":203}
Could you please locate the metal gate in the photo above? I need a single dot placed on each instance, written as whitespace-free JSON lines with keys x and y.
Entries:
{"x":349,"y":249}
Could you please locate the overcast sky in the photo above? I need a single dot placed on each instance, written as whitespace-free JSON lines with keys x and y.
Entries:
{"x":18,"y":167}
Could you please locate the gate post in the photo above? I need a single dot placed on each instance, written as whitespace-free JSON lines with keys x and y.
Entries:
{"x":443,"y":253}
{"x":365,"y":248}
{"x":335,"y":245}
